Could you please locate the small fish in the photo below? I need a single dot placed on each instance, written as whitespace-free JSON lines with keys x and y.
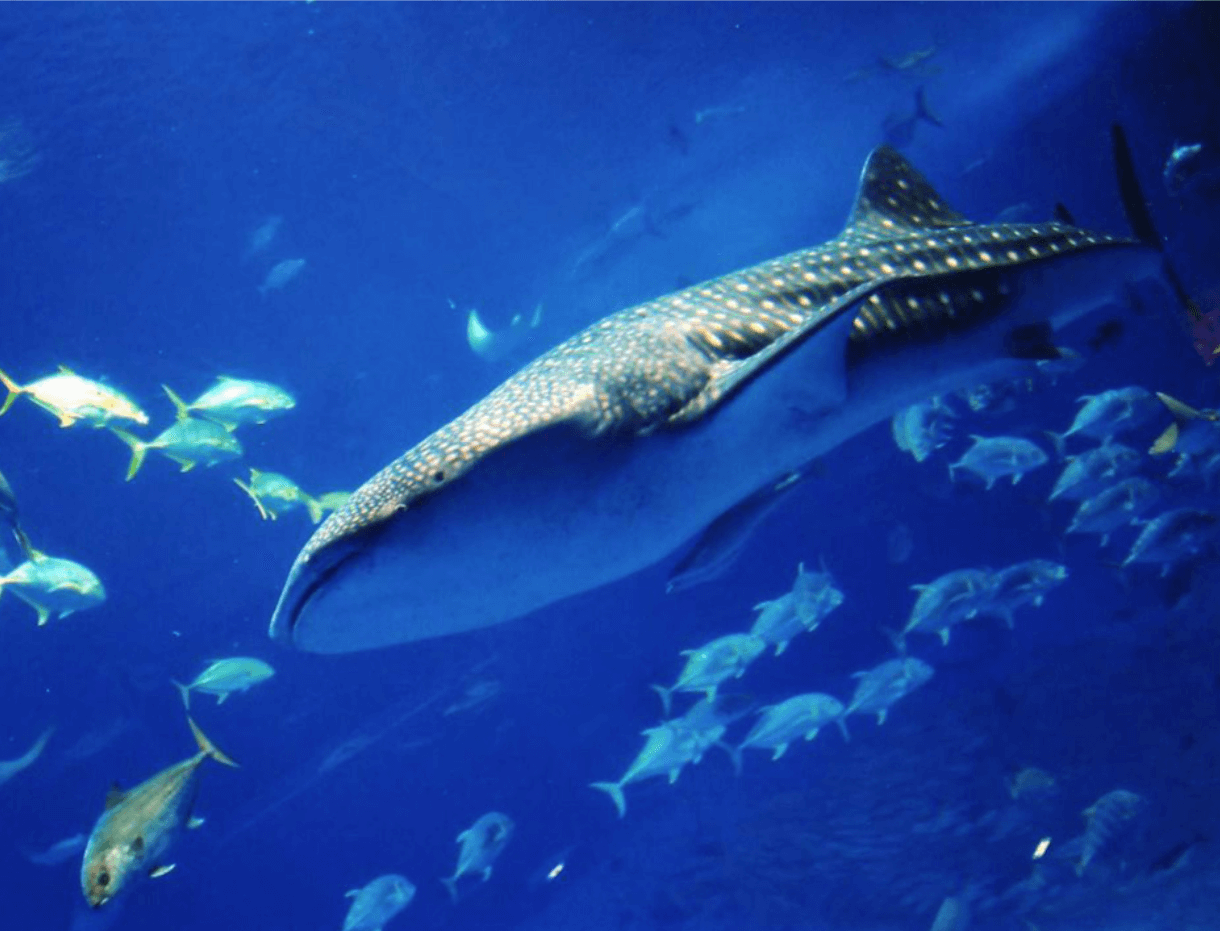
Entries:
{"x":479,"y":846}
{"x":139,"y":826}
{"x":223,"y":677}
{"x":908,"y":61}
{"x":59,"y":852}
{"x":713,"y":663}
{"x":1173,"y":536}
{"x":188,"y":442}
{"x":496,"y":345}
{"x":263,"y":236}
{"x":899,"y":131}
{"x":813,"y":596}
{"x":923,"y":428}
{"x":1021,"y":584}
{"x":1182,"y":167}
{"x":280,"y":274}
{"x":1030,"y":781}
{"x":1094,"y":471}
{"x":53,"y":586}
{"x":944,"y":602}
{"x":1068,"y":363}
{"x":668,"y":748}
{"x":378,"y":902}
{"x":994,"y":457}
{"x":9,"y":515}
{"x":10,"y":768}
{"x":1103,"y":416}
{"x":1107,"y":820}
{"x":72,"y":398}
{"x":880,"y":687}
{"x":275,"y":494}
{"x":799,"y":716}
{"x":708,"y":114}
{"x":232,"y":402}
{"x":1114,"y":508}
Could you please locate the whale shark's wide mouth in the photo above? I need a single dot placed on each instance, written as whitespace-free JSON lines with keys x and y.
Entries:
{"x":305,"y":581}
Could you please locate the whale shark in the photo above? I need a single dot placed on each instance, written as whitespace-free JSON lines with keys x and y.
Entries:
{"x":610,"y":451}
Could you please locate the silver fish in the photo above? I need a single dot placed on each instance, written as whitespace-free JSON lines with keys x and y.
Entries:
{"x":994,"y":457}
{"x":479,"y":846}
{"x":59,"y":852}
{"x":377,"y":902}
{"x":10,"y":768}
{"x":1110,"y":817}
{"x":1114,"y":508}
{"x":1094,"y":471}
{"x":280,"y":274}
{"x":1174,"y":536}
{"x":609,"y":451}
{"x":139,"y":826}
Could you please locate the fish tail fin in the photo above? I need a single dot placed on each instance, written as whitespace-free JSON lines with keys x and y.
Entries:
{"x":314,"y":506}
{"x":139,"y":449}
{"x":841,"y":721}
{"x":185,"y":692}
{"x":921,"y":108}
{"x":180,"y":407}
{"x":451,"y":885}
{"x":206,"y":746}
{"x":615,"y":791}
{"x":1140,"y":217}
{"x":13,"y":390}
{"x":666,"y":697}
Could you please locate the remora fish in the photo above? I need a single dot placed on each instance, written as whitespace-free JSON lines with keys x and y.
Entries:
{"x":138,"y":826}
{"x":610,"y":450}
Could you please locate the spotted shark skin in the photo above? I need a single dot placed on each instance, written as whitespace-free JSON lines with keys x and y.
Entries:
{"x":609,"y":451}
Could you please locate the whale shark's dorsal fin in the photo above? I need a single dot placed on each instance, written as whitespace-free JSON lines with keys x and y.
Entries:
{"x":893,"y":197}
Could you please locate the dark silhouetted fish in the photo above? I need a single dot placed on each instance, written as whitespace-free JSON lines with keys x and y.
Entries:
{"x":609,"y":451}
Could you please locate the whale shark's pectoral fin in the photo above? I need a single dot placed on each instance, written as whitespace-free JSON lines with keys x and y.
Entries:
{"x":817,"y":382}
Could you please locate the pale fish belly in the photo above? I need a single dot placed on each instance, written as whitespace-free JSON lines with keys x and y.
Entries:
{"x":557,"y":514}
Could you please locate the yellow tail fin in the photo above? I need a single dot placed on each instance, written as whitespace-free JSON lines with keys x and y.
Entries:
{"x":139,"y":449}
{"x":180,"y":406}
{"x":206,"y":746}
{"x":13,"y":390}
{"x":253,"y":497}
{"x":314,"y":506}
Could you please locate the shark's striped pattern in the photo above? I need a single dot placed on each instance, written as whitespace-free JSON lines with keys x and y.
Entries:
{"x":907,"y":265}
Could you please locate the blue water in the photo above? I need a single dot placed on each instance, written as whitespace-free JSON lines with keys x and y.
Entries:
{"x":426,"y":154}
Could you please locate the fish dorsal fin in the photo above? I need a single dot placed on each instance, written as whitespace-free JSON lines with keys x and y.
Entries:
{"x":114,"y":797}
{"x":893,"y":198}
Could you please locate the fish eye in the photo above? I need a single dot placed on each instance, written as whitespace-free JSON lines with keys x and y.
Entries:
{"x":103,"y":879}
{"x":439,"y":476}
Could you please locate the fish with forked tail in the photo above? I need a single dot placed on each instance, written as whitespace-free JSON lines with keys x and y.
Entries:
{"x":138,"y":827}
{"x":612,"y":449}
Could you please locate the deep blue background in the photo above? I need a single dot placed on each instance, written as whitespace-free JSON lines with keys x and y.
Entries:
{"x":422,"y":153}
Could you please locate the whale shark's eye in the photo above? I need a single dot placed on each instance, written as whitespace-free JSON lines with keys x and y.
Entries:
{"x":439,"y":477}
{"x":103,"y":879}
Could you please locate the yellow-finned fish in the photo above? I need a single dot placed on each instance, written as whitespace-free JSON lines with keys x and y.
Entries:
{"x":188,"y":442}
{"x":138,"y":827}
{"x":232,"y":402}
{"x":275,"y":494}
{"x":72,"y":398}
{"x":55,"y":586}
